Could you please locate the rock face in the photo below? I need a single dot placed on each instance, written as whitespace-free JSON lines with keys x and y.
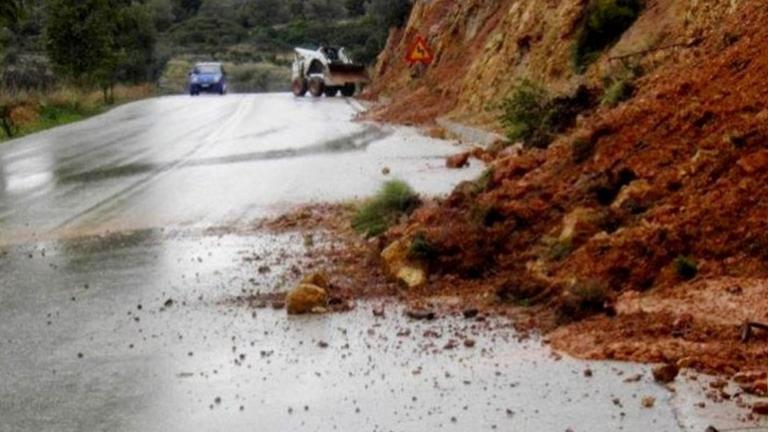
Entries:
{"x":400,"y":267}
{"x":306,"y":298}
{"x":483,"y":47}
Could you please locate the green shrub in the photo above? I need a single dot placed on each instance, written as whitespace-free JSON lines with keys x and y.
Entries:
{"x":524,"y":113}
{"x":617,"y":92}
{"x":207,"y":34}
{"x":620,"y":84}
{"x":686,"y":267}
{"x":584,"y":299}
{"x":421,"y":248}
{"x":531,"y":115}
{"x":394,"y":200}
{"x":390,"y":13}
{"x":604,"y":23}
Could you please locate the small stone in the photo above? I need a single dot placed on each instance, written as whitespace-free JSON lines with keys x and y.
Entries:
{"x":666,"y":373}
{"x":469,"y":343}
{"x":588,"y":373}
{"x":386,"y":171}
{"x":458,"y":161}
{"x":648,"y":402}
{"x":634,"y":378}
{"x":421,"y":314}
{"x":718,"y":384}
{"x":451,"y":344}
{"x":322,"y":344}
{"x":760,"y":408}
{"x":470,"y":313}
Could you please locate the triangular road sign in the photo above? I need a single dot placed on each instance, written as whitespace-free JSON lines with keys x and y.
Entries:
{"x":419,"y":52}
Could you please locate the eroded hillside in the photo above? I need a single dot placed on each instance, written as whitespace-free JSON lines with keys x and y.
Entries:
{"x":638,"y":233}
{"x":483,"y":48}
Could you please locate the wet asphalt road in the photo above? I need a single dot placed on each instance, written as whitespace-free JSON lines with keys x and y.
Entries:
{"x":208,"y":161}
{"x":115,"y":299}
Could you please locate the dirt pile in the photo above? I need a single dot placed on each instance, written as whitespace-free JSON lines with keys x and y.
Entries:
{"x":649,"y":215}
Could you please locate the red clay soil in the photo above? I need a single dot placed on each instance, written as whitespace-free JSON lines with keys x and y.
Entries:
{"x":680,"y":170}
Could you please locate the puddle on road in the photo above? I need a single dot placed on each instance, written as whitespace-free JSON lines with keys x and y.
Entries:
{"x":200,"y":365}
{"x":355,"y":142}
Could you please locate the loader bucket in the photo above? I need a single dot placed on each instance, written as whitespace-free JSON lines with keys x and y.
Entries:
{"x":340,"y":74}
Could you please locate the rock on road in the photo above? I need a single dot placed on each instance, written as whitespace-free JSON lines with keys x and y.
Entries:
{"x":114,"y":312}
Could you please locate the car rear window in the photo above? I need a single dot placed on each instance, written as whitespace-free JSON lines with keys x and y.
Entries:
{"x":207,"y":69}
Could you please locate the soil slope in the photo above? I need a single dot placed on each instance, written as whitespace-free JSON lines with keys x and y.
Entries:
{"x":640,"y":234}
{"x":482,"y":48}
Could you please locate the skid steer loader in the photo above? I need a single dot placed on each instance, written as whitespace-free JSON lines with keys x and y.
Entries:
{"x":326,"y":71}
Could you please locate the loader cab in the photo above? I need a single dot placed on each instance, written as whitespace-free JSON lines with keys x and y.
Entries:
{"x":332,"y":54}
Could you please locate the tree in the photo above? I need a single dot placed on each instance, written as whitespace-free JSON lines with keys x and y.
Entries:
{"x":80,"y":39}
{"x":223,"y":9}
{"x":324,"y":9}
{"x":263,"y":13}
{"x":184,"y":9}
{"x":355,"y":8}
{"x":12,"y":13}
{"x":390,"y":13}
{"x":162,"y":13}
{"x":99,"y":42}
{"x":296,"y":9}
{"x":135,"y":40}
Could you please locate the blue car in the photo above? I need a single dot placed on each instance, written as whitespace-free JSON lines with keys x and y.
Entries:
{"x":207,"y":78}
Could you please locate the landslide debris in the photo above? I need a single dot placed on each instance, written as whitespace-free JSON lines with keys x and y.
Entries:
{"x":630,"y":231}
{"x":309,"y":297}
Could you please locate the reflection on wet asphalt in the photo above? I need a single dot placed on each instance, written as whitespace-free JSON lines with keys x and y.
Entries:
{"x":114,"y":298}
{"x":199,"y":364}
{"x":205,"y":162}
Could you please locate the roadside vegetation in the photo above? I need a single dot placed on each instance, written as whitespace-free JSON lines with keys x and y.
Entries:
{"x":619,"y":84}
{"x":30,"y":112}
{"x":394,"y":200}
{"x":125,"y":49}
{"x":603,"y":24}
{"x":534,"y":116}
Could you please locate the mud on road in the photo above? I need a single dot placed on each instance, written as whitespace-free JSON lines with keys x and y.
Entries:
{"x":135,"y":258}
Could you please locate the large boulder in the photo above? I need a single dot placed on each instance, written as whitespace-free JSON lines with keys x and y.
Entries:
{"x":306,"y":298}
{"x":400,"y":267}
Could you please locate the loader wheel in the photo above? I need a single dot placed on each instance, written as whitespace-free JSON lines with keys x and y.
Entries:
{"x":316,"y":88}
{"x":331,"y":91}
{"x":348,"y":90}
{"x":299,"y":87}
